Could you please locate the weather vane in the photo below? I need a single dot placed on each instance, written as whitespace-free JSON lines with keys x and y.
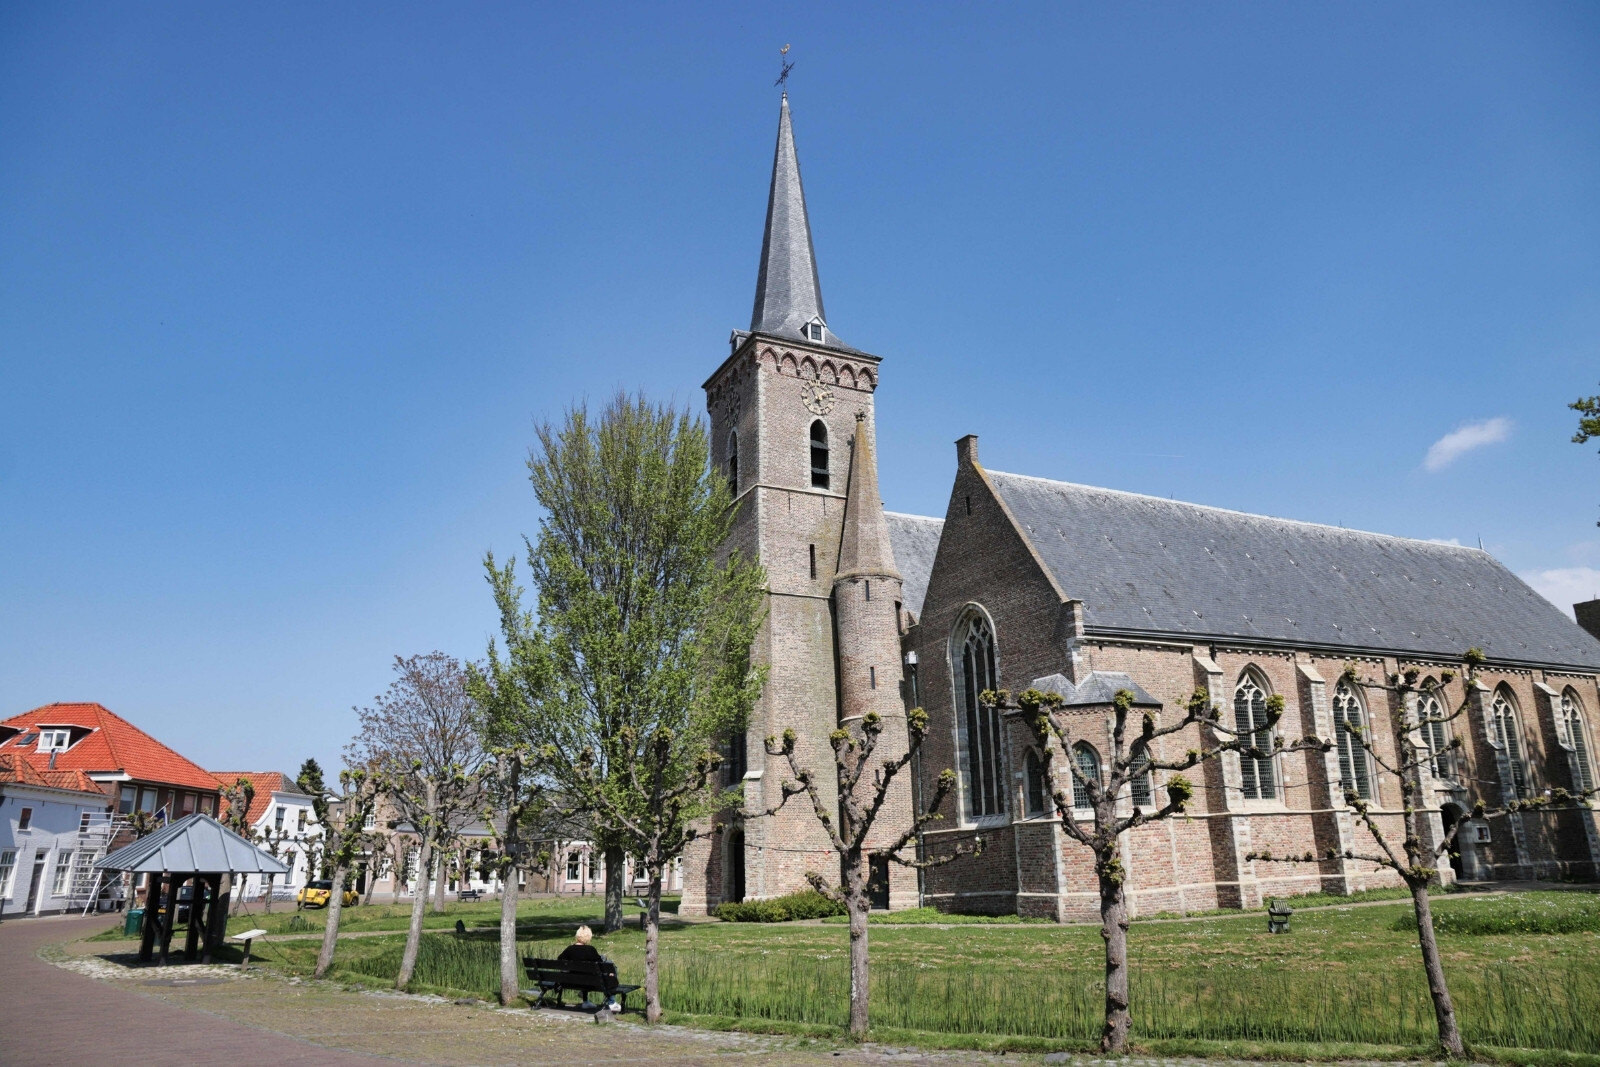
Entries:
{"x":783,"y":79}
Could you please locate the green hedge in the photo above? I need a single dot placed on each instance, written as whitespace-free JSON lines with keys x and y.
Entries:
{"x":805,"y":904}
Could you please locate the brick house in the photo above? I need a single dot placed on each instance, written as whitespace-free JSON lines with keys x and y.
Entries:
{"x":1089,"y":590}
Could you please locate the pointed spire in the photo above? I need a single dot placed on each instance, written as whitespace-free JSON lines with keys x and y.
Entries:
{"x":864,"y":548}
{"x":788,"y":295}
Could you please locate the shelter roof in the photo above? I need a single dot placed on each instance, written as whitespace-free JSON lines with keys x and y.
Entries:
{"x":1144,"y":565}
{"x":196,"y":843}
{"x":108,"y":744}
{"x":915,"y":540}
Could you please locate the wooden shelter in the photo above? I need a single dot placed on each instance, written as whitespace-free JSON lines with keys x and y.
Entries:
{"x":196,"y":850}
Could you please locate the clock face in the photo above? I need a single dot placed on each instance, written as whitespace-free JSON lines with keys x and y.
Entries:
{"x":818,"y":398}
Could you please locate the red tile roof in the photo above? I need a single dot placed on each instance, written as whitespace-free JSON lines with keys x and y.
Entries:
{"x":15,"y":767}
{"x":113,"y":745}
{"x":265,"y":782}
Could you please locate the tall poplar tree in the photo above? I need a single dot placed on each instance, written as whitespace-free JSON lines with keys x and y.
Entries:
{"x":637,"y":666}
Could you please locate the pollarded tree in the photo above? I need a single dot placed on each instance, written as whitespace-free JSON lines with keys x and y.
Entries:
{"x":1113,"y":801}
{"x":638,"y":664}
{"x":309,"y":781}
{"x":420,"y":739}
{"x":236,"y":799}
{"x":344,"y":837}
{"x":863,"y":790}
{"x":1418,"y":725}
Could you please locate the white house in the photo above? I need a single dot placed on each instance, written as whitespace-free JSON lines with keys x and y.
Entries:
{"x":54,"y":824}
{"x":282,"y":821}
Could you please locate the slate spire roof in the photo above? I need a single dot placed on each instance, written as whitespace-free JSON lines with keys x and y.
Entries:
{"x":788,"y":295}
{"x":864,"y":549}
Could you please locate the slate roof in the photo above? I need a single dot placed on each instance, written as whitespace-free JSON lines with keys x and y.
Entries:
{"x":1099,"y":687}
{"x":195,"y":843}
{"x":915,"y":540}
{"x":788,"y":294}
{"x":112,"y":745}
{"x":1144,"y":565}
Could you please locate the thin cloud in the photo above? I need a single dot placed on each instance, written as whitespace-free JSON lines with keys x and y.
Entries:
{"x":1457,"y":443}
{"x":1565,"y":586}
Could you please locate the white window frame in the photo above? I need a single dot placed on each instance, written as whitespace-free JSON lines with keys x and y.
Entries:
{"x":55,"y":739}
{"x":61,"y":877}
{"x":8,"y":872}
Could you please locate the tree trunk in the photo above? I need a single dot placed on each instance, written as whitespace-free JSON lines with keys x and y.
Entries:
{"x":438,"y":885}
{"x":614,"y":863}
{"x":652,"y":945}
{"x":408,"y":960}
{"x":510,"y":965}
{"x":857,"y":905}
{"x":1114,"y":929}
{"x":1443,"y":1009}
{"x":330,"y":929}
{"x":268,"y":903}
{"x":375,"y":857}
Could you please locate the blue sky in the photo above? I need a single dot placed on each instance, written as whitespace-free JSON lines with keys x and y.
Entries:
{"x":283,"y":289}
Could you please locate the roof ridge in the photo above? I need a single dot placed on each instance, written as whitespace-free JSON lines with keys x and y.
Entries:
{"x":1245,"y":514}
{"x":908,"y":515}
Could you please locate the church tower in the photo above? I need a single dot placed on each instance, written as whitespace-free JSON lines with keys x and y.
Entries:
{"x":791,"y":415}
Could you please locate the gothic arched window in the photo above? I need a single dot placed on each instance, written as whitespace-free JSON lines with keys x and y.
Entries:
{"x":1507,"y":737}
{"x":1036,"y":795}
{"x":972,"y":655}
{"x":1140,"y":784}
{"x":733,"y":462}
{"x":1250,"y":719}
{"x":1435,"y":732}
{"x":1576,"y":732}
{"x":1087,"y":762}
{"x":1350,"y":726}
{"x":819,"y":455}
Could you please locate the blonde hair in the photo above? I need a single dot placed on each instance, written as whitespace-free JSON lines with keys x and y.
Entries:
{"x":584,"y":935}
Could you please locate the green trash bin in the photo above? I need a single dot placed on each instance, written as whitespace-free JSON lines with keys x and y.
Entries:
{"x":133,"y":925}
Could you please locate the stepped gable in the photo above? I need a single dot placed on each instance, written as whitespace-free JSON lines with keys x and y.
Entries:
{"x":110,"y":744}
{"x":915,"y":541}
{"x":1142,"y":565}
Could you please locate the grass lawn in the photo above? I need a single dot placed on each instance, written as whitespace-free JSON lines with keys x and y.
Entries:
{"x":1345,"y":976}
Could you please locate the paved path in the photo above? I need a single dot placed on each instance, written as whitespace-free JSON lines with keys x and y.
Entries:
{"x":53,"y":1016}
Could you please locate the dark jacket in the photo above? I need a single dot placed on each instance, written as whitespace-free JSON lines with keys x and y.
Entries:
{"x":580,"y":953}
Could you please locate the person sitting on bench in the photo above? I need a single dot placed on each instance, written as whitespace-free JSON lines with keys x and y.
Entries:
{"x":580,"y":951}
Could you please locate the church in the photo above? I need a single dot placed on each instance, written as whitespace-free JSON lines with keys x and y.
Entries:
{"x":1032,"y":581}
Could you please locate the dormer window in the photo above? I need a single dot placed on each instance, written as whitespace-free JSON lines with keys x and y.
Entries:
{"x":813,"y":330}
{"x":55,"y":740}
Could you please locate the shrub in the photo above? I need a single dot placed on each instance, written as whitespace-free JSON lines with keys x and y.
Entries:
{"x":297,"y":924}
{"x":1569,"y":914}
{"x":805,"y":904}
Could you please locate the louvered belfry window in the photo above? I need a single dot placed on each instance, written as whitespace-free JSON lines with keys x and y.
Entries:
{"x":1578,"y":737}
{"x":1250,"y":719}
{"x":1509,"y":735}
{"x":1347,"y":724}
{"x":819,"y":455}
{"x":981,"y":766}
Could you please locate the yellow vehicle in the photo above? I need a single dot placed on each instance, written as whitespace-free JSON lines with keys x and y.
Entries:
{"x":317,"y":894}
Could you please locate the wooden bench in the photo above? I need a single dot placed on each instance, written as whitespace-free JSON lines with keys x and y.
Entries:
{"x":469,"y":894}
{"x":554,"y":977}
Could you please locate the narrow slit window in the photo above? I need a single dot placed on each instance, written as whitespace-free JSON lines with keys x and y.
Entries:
{"x":819,"y":455}
{"x":872,"y":677}
{"x":868,"y":585}
{"x":733,"y":463}
{"x":813,"y":561}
